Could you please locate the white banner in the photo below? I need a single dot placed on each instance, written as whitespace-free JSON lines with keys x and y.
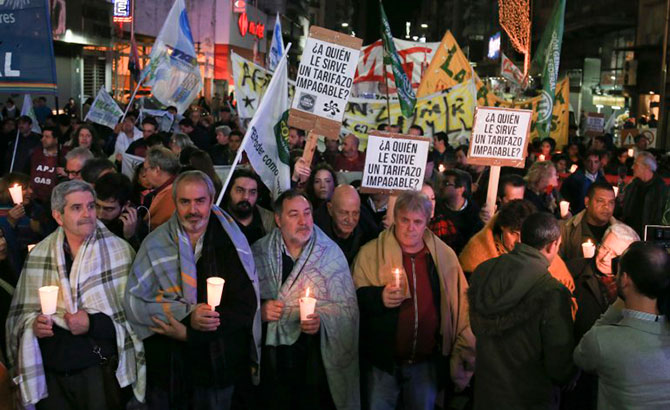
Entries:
{"x":104,"y":110}
{"x":129,"y":163}
{"x":325,"y":77}
{"x":395,"y":162}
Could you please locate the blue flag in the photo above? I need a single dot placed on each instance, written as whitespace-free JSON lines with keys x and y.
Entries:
{"x":173,"y":71}
{"x":277,"y":46}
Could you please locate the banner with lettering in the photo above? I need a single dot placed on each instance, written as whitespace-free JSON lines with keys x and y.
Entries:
{"x":27,"y":62}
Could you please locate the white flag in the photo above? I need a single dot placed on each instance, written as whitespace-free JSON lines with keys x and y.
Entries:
{"x":276,"y":47}
{"x":173,"y":71}
{"x":104,"y":110}
{"x":27,"y":109}
{"x":266,"y":140}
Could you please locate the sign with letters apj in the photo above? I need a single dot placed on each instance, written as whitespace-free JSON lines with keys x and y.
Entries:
{"x":26,"y":51}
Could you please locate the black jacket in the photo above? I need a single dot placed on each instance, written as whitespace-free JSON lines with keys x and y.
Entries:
{"x":522,"y":320}
{"x":652,"y":205}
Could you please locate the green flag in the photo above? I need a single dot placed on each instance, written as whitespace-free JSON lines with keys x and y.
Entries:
{"x":405,"y":91}
{"x":548,"y":57}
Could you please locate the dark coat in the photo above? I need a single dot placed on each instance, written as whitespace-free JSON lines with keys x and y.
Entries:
{"x":521,"y":317}
{"x":652,"y":208}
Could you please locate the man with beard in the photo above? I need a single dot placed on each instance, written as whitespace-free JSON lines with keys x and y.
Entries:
{"x":196,"y":352}
{"x":43,"y":165}
{"x":240,"y":201}
{"x":309,"y":361}
{"x":113,"y":207}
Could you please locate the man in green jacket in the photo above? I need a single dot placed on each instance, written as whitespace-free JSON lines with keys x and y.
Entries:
{"x":521,"y":318}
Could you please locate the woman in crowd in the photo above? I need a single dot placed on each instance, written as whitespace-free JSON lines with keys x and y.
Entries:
{"x":321,"y":185}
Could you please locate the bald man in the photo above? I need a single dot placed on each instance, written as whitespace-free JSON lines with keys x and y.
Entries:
{"x":343,"y":220}
{"x":350,"y":159}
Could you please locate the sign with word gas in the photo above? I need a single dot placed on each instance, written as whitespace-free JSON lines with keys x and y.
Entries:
{"x":324,"y":81}
{"x":499,"y":137}
{"x":27,"y":62}
{"x":394,"y":162}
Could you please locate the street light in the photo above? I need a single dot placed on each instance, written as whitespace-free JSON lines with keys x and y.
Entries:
{"x":424,"y":25}
{"x":345,"y":24}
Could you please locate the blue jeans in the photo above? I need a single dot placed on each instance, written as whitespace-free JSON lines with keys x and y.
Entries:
{"x":411,"y":387}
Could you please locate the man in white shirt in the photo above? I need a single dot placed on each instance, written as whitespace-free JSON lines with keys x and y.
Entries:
{"x":126,"y":134}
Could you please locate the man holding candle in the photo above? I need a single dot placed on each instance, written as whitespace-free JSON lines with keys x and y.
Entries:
{"x":310,"y":363}
{"x":522,"y":319}
{"x":412,"y":334}
{"x":591,"y":223}
{"x":195,"y":355}
{"x":81,"y":356}
{"x":595,"y":290}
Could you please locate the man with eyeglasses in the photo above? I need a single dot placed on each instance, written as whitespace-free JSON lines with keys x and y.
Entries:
{"x":595,"y":290}
{"x":74,"y":162}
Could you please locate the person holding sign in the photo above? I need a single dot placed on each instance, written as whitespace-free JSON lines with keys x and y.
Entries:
{"x":195,"y":355}
{"x":412,"y":332}
{"x":311,"y":363}
{"x":84,"y":353}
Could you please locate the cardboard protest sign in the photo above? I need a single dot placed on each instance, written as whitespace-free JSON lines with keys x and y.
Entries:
{"x":628,"y":136}
{"x":394,"y":162}
{"x":325,"y":77}
{"x":595,"y":123}
{"x":499,"y":137}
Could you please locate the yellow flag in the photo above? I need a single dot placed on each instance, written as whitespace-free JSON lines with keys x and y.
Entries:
{"x":449,"y":67}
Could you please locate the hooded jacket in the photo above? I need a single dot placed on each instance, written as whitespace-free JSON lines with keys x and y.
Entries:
{"x":522,"y":321}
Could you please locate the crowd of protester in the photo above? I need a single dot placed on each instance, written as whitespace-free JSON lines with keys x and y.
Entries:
{"x":423,"y":299}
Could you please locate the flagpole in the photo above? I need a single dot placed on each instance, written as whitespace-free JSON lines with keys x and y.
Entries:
{"x":16,"y":144}
{"x":132,"y":97}
{"x":240,"y":150}
{"x":386,"y":82}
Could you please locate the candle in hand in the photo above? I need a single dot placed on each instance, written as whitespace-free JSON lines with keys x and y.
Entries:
{"x":16,"y":191}
{"x":573,"y":168}
{"x":631,"y":152}
{"x":48,"y":299}
{"x":541,"y":157}
{"x":396,"y":275}
{"x":565,"y":205}
{"x":616,"y":191}
{"x":214,"y":290}
{"x":589,"y":249}
{"x":307,"y":305}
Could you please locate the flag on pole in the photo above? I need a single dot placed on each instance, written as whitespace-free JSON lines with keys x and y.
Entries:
{"x":510,"y":71}
{"x":266,"y":140}
{"x":104,"y":110}
{"x":548,"y":57}
{"x":134,"y":60}
{"x":277,"y":46}
{"x":257,"y":57}
{"x":404,"y":86}
{"x":27,"y":109}
{"x":173,"y":71}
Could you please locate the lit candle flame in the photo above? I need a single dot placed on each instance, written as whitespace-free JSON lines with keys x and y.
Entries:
{"x":307,"y":293}
{"x":441,"y":168}
{"x":541,"y":157}
{"x":631,"y":152}
{"x":588,"y":241}
{"x":573,"y":168}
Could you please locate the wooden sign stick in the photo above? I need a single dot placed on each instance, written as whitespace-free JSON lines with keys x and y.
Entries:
{"x":310,"y":147}
{"x":492,"y":192}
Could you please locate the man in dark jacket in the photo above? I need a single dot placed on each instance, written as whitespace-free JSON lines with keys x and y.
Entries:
{"x":348,"y":224}
{"x":576,"y":186}
{"x":522,"y":320}
{"x":644,"y":197}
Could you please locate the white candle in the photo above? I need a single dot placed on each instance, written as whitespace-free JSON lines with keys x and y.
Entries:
{"x":541,"y":157}
{"x":616,"y":191}
{"x":565,"y":205}
{"x":396,"y":275}
{"x":573,"y":168}
{"x":589,"y":249}
{"x":307,"y":306}
{"x":48,"y":299}
{"x":16,"y":191}
{"x":214,"y":290}
{"x":30,"y":247}
{"x":631,"y":152}
{"x":441,"y":168}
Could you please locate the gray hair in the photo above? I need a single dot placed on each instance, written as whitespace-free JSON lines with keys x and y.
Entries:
{"x":164,"y":159}
{"x":622,"y":232}
{"x":181,"y":140}
{"x":649,"y":160}
{"x":193,"y":176}
{"x":64,"y":189}
{"x":413,"y":201}
{"x":81,"y":153}
{"x":538,"y":171}
{"x":223,"y":129}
